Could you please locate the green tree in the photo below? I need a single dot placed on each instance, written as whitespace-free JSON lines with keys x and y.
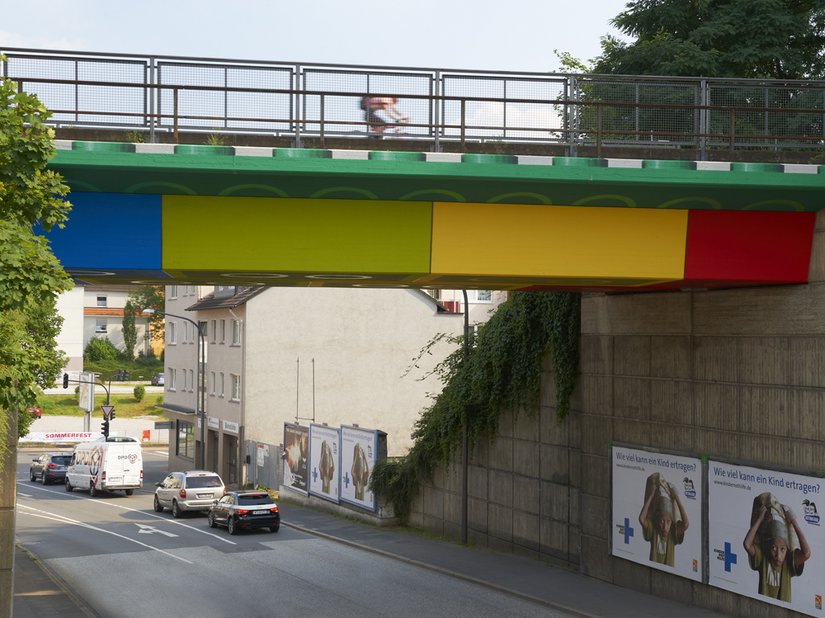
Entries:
{"x":30,"y":279}
{"x":779,"y":39}
{"x":150,"y":297}
{"x":129,"y":330}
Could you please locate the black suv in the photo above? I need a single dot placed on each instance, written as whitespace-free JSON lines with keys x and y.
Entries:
{"x":50,"y":467}
{"x":243,"y":510}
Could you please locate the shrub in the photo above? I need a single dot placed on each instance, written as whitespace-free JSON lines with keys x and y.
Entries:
{"x":99,"y":349}
{"x":140,"y":392}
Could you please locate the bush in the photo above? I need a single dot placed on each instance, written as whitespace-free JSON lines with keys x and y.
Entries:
{"x":140,"y":392}
{"x":99,"y":349}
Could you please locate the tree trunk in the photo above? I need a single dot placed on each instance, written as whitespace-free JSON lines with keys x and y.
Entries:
{"x":8,"y":498}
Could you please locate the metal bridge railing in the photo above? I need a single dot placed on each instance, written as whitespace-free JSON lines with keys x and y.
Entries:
{"x":154,"y":95}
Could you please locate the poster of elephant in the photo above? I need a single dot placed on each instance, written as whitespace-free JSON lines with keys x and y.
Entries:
{"x":358,"y":455}
{"x":324,"y":462}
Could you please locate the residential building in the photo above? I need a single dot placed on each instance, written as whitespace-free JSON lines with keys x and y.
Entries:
{"x":284,"y":354}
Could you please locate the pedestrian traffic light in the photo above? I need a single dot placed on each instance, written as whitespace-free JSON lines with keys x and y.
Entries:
{"x":104,"y":428}
{"x":65,"y":380}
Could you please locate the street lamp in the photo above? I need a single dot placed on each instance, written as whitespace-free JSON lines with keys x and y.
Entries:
{"x":199,"y":408}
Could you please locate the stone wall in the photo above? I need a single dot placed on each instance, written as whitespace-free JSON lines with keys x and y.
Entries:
{"x":737,"y":375}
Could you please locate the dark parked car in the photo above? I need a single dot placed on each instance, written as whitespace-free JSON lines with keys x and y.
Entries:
{"x":157,"y":379}
{"x":239,"y":510}
{"x":50,"y":467}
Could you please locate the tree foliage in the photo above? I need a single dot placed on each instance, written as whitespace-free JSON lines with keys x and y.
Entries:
{"x":502,"y":373}
{"x":779,"y":39}
{"x":30,"y":276}
{"x":129,"y":330}
{"x":149,"y":297}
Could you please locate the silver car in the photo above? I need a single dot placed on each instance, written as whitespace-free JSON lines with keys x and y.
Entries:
{"x":193,"y":490}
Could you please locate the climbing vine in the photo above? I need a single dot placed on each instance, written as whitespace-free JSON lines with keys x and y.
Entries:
{"x":501,"y":372}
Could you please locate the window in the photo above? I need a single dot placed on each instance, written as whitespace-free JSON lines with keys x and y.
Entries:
{"x":212,"y":383}
{"x":214,"y":330}
{"x":236,"y":332}
{"x":236,"y":387}
{"x":221,"y":385}
{"x":101,"y":301}
{"x":173,"y":374}
{"x":173,"y":291}
{"x":223,"y":331}
{"x":484,"y":296}
{"x":172,"y":333}
{"x":185,"y":444}
{"x":183,"y":386}
{"x":101,"y":325}
{"x":191,"y":380}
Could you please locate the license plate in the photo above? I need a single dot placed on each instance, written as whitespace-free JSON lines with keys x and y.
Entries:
{"x":204,"y":495}
{"x":260,"y":512}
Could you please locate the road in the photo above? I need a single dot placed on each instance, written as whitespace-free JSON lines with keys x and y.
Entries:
{"x":125,"y":560}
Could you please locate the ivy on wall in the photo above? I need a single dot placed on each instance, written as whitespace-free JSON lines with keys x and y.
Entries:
{"x":501,"y":372}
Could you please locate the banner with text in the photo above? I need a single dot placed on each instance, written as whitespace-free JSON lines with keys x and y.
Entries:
{"x":324,"y":462}
{"x":296,"y":449}
{"x":765,"y":540}
{"x":68,"y":437}
{"x":657,"y":511}
{"x":358,"y":449}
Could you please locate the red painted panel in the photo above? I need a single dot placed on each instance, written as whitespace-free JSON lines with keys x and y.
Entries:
{"x":748,"y":248}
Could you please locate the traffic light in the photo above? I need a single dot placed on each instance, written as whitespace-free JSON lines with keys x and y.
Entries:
{"x":104,"y":428}
{"x":65,"y":380}
{"x":111,"y":415}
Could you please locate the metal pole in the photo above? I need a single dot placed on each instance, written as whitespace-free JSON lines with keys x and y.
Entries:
{"x":465,"y":436}
{"x":202,"y":391}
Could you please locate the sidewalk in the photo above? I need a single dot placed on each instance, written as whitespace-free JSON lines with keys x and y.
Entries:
{"x":39,"y":593}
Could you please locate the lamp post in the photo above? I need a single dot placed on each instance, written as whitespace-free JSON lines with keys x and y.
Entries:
{"x":200,"y":462}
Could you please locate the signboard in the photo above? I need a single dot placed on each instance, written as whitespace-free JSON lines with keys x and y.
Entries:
{"x":765,"y":537}
{"x":296,"y":449}
{"x":358,"y":454}
{"x":657,"y":511}
{"x":324,"y":462}
{"x":261,"y":455}
{"x":230,"y":427}
{"x":86,"y":391}
{"x":60,"y":436}
{"x":163,"y":424}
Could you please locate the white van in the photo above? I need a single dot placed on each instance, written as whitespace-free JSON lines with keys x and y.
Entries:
{"x":107,"y":464}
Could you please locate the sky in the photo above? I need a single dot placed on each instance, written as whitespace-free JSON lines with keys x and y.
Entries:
{"x":500,"y":35}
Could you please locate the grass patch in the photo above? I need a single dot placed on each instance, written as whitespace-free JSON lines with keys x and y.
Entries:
{"x":126,"y":406}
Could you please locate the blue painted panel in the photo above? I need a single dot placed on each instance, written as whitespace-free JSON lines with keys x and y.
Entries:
{"x":110,"y":231}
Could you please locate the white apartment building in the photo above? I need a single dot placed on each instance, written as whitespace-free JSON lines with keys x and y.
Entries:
{"x":279,"y":354}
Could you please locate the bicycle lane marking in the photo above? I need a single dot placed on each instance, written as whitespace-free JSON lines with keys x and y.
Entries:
{"x":130,"y":509}
{"x":62,"y":519}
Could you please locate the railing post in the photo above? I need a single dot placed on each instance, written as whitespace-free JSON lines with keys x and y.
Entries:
{"x":321,"y":122}
{"x":299,"y":104}
{"x":704,"y":124}
{"x":436,"y":111}
{"x":599,"y":129}
{"x":463,"y":131}
{"x":151,"y":92}
{"x":175,"y":114}
{"x":732,"y":130}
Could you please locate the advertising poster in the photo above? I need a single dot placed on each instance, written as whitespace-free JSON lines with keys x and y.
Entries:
{"x":657,"y":511}
{"x":358,"y":449}
{"x":324,"y":462}
{"x":296,"y":449}
{"x":765,"y":538}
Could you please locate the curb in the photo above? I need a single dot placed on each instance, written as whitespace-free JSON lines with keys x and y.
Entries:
{"x":59,"y":582}
{"x":443,"y":571}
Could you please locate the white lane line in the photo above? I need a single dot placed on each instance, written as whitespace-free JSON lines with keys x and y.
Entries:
{"x":62,"y":519}
{"x":64,"y":494}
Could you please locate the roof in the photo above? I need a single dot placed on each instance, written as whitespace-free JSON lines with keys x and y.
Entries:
{"x":241,"y":297}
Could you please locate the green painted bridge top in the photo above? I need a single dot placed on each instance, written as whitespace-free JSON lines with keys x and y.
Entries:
{"x":115,"y":167}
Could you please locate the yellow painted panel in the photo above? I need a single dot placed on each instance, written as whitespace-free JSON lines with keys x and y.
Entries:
{"x":558,"y":241}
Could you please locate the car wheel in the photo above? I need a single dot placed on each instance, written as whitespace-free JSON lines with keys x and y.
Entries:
{"x":43,"y":478}
{"x":68,"y":484}
{"x":129,"y":492}
{"x":158,"y":505}
{"x":176,"y":512}
{"x":210,"y":519}
{"x":231,"y":526}
{"x":32,"y":476}
{"x":275,"y":528}
{"x":92,"y":490}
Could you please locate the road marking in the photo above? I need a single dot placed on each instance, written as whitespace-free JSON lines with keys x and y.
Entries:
{"x":144,"y":529}
{"x":62,"y":519}
{"x":74,"y":496}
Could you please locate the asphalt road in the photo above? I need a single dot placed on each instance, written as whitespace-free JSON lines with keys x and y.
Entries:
{"x":123,"y":559}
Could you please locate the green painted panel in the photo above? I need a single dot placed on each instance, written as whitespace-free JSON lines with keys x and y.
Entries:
{"x":301,"y":153}
{"x":488,"y":158}
{"x":295,"y":235}
{"x":392,"y":155}
{"x":204,"y":149}
{"x":103,"y":147}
